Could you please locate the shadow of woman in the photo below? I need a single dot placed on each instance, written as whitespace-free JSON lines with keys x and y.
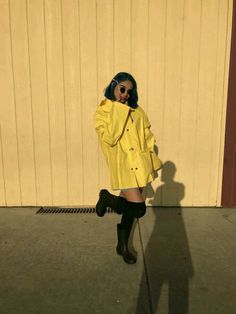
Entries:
{"x":167,"y":259}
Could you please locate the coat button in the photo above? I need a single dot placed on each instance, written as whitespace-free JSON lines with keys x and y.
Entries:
{"x":131,"y":168}
{"x":136,"y":168}
{"x":127,"y":130}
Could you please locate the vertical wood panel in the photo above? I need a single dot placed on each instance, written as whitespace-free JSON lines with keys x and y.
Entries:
{"x":122,"y":36}
{"x":189,"y":92}
{"x":20,"y":57}
{"x":39,"y":94}
{"x":56,"y":101}
{"x":156,"y":77}
{"x":71,"y":53}
{"x":105,"y":62}
{"x":7,"y":111}
{"x":139,"y":47}
{"x":88,"y":48}
{"x":204,"y":126}
{"x":172,"y":105}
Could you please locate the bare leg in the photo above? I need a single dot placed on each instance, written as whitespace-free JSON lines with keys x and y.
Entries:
{"x":133,"y":195}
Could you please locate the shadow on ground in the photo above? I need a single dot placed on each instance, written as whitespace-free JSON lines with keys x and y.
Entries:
{"x":167,"y":259}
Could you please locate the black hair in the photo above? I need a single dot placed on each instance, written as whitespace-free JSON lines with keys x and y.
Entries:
{"x":118,"y":78}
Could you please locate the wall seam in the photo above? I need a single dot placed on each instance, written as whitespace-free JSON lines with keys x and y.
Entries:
{"x":3,"y":166}
{"x":181,"y":92}
{"x":49,"y":123}
{"x":197,"y":102}
{"x":96,"y":23}
{"x":213,"y":105}
{"x":31,"y":103}
{"x":164,"y":92}
{"x":131,"y":30}
{"x":14,"y":92}
{"x":65,"y":111}
{"x":81,"y":110}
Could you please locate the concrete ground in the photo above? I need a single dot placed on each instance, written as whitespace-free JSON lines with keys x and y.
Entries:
{"x":66,"y":263}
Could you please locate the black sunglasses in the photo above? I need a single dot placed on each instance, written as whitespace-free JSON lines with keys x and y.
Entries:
{"x":123,"y":89}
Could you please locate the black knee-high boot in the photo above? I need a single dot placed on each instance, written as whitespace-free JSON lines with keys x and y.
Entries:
{"x":133,"y":210}
{"x":123,"y":233}
{"x":106,"y":199}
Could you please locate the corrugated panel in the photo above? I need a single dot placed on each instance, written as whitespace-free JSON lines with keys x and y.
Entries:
{"x":9,"y":134}
{"x":56,"y":58}
{"x":40,"y":101}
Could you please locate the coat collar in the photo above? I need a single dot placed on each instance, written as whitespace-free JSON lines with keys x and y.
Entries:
{"x":107,"y":105}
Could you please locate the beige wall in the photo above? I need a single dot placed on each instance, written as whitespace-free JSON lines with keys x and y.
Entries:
{"x":57,"y":56}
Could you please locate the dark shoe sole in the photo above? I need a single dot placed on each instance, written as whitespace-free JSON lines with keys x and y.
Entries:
{"x":127,"y":260}
{"x":100,"y":207}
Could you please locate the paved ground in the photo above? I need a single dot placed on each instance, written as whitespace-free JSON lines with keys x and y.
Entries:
{"x":66,"y":263}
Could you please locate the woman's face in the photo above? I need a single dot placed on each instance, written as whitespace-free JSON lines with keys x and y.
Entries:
{"x":123,"y":91}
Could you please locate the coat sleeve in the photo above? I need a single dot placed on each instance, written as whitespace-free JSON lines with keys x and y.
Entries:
{"x":110,"y":120}
{"x":149,"y":137}
{"x":150,"y":141}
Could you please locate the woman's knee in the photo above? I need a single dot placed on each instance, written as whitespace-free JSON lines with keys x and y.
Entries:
{"x":137,"y":210}
{"x":135,"y":202}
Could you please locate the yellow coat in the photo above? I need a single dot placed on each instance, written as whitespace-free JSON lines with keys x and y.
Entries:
{"x":127,"y":143}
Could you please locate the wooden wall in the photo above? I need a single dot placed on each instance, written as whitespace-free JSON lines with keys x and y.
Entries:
{"x":56,"y":58}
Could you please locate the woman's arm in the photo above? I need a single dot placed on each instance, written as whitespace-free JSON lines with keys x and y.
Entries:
{"x":109,"y":121}
{"x":149,"y":137}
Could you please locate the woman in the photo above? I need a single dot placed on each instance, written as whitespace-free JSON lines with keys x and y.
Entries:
{"x":128,"y":145}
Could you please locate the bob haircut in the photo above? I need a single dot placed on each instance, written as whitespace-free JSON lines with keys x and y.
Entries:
{"x":118,"y":78}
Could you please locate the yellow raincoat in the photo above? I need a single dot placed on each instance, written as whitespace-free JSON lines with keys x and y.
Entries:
{"x":127,"y":143}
